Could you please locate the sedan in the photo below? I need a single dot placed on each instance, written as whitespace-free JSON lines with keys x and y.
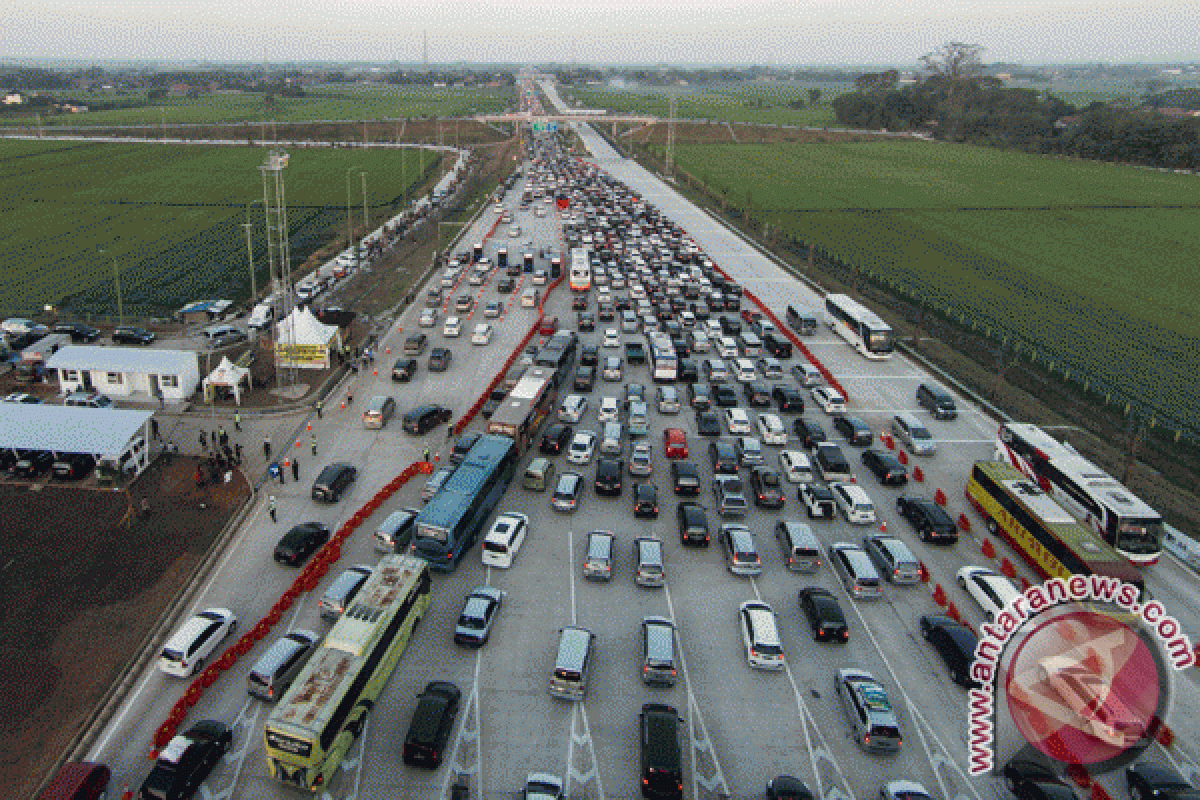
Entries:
{"x":796,"y":466}
{"x":429,"y":317}
{"x":478,"y":614}
{"x":830,"y":400}
{"x":582,"y":448}
{"x":824,"y":614}
{"x":990,"y":590}
{"x":885,"y":467}
{"x":187,"y":761}
{"x":573,"y":407}
{"x":645,"y":501}
{"x":856,"y":431}
{"x":432,"y":721}
{"x":609,"y":477}
{"x":708,"y":423}
{"x":131,"y":335}
{"x":612,"y":369}
{"x":612,"y":338}
{"x":641,"y":459}
{"x":482,"y":334}
{"x":609,"y":410}
{"x":785,"y":787}
{"x":1149,"y":781}
{"x":493,"y":309}
{"x":767,"y":488}
{"x":333,"y":481}
{"x":439,"y":359}
{"x":542,"y":786}
{"x":464,"y":303}
{"x":555,"y":439}
{"x":685,"y":478}
{"x":567,"y":491}
{"x":404,"y":369}
{"x":301,"y":542}
{"x":1031,"y":780}
{"x":810,"y":433}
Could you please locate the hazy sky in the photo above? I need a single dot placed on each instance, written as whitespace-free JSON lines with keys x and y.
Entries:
{"x":612,"y":31}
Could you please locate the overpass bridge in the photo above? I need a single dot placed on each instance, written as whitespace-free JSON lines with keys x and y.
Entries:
{"x":581,"y":117}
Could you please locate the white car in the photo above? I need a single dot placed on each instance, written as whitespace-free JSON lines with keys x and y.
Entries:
{"x":641,"y":459}
{"x":428,"y":318}
{"x":612,"y":338}
{"x":452,"y":327}
{"x":830,"y":400}
{"x":796,"y":466}
{"x":991,"y":590}
{"x":854,"y":502}
{"x":582,"y":447}
{"x":514,"y":231}
{"x":743,"y":370}
{"x":737,"y":422}
{"x":727,"y":347}
{"x":482,"y":334}
{"x":539,"y":277}
{"x":760,"y":636}
{"x":609,"y":410}
{"x":186,"y":651}
{"x":573,"y":407}
{"x":493,"y":310}
{"x":502,"y":542}
{"x":771,"y":430}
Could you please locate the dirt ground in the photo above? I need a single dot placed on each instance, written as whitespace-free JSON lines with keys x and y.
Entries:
{"x":84,"y":578}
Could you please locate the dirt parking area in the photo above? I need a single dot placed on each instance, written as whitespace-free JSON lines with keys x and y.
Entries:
{"x":85,"y":575}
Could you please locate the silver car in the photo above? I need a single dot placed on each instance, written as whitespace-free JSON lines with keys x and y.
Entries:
{"x":868,"y":710}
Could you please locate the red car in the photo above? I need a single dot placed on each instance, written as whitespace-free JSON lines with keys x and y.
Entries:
{"x":675,"y":443}
{"x":750,"y":316}
{"x":549,"y":326}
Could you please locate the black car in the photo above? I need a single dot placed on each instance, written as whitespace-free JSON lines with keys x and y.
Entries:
{"x":708,"y":423}
{"x":885,"y":467}
{"x":688,"y":371}
{"x":929,"y":519}
{"x":817,"y":500}
{"x":855,"y":431}
{"x":462,"y":446}
{"x":127,"y":334}
{"x":608,"y":476}
{"x":724,"y":395}
{"x":809,"y":432}
{"x":585,"y":378}
{"x":587,"y":321}
{"x":423,"y":419}
{"x":556,"y":437}
{"x":685,"y":478}
{"x":333,"y":481}
{"x":589,"y":355}
{"x":723,"y":456}
{"x":301,"y":542}
{"x":79,"y":332}
{"x":73,"y":466}
{"x":955,"y":643}
{"x":579,"y":301}
{"x":31,"y":463}
{"x":1148,"y":781}
{"x":186,"y":761}
{"x":758,"y":394}
{"x":693,"y":524}
{"x":1031,"y":780}
{"x":785,"y":787}
{"x":437,"y":706}
{"x":730,"y":326}
{"x":439,"y":359}
{"x":645,"y":500}
{"x":404,"y":369}
{"x":506,"y":285}
{"x":824,"y":614}
{"x":767,"y":487}
{"x":788,"y":398}
{"x":681,"y":347}
{"x":699,"y":396}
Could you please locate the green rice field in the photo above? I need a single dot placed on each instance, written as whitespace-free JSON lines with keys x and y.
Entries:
{"x":171,"y":217}
{"x":754,"y":103}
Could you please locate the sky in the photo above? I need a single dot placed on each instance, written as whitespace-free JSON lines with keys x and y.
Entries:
{"x":810,"y":32}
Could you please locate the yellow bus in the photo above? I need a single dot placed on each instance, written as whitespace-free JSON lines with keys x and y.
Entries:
{"x":311,"y":730}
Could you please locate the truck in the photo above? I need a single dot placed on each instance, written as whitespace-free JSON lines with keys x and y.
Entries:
{"x":635,"y":353}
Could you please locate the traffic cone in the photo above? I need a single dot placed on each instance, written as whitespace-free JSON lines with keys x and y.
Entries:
{"x":939,"y":595}
{"x":310,"y":426}
{"x":298,"y":443}
{"x":343,"y":405}
{"x":918,"y":475}
{"x":387,"y":350}
{"x":883,"y":527}
{"x":989,"y":549}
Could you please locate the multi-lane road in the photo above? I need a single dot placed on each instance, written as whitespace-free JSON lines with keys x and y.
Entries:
{"x":743,"y":726}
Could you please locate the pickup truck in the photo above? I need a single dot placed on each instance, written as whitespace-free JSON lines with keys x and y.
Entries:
{"x":635,"y":353}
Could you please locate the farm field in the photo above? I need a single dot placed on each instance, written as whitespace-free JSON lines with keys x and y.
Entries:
{"x":753,"y":103}
{"x":170,"y":216}
{"x":1087,"y":263}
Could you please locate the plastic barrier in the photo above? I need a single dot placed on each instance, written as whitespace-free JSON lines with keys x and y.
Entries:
{"x":939,"y":595}
{"x":1079,"y":774}
{"x":1100,"y":793}
{"x":902,"y":456}
{"x":918,"y":475}
{"x":924,"y":570}
{"x":988,"y":549}
{"x":964,"y":523}
{"x":794,"y":339}
{"x":1007,"y":569}
{"x":888,"y":442}
{"x":939,"y":497}
{"x":1165,"y":736}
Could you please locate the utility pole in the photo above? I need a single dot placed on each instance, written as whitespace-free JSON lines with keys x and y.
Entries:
{"x":1134,"y":432}
{"x":366,"y":219}
{"x":117,"y":283}
{"x":670,"y":159}
{"x":349,"y":222}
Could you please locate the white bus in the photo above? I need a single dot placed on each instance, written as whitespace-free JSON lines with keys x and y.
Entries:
{"x":664,"y":362}
{"x":1128,"y":524}
{"x":581,"y":270}
{"x":316,"y":722}
{"x":859,"y":326}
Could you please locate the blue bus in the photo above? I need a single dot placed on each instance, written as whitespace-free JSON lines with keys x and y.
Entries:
{"x":450,"y":524}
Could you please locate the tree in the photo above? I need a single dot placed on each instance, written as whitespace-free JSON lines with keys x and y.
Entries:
{"x":955,"y":62}
{"x":877,"y":81}
{"x":814,"y":97}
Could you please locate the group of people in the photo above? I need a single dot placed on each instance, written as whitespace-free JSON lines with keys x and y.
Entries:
{"x":219,"y":455}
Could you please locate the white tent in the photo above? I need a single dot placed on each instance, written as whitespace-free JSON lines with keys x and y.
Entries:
{"x":304,"y":341}
{"x":229,"y":375}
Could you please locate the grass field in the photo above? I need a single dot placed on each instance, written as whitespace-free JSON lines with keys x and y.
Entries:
{"x":765,"y":103}
{"x":1091,"y":264}
{"x":171,"y":216}
{"x":321,"y":103}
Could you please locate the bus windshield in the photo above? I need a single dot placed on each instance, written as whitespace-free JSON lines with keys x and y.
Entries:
{"x":879,"y":341}
{"x":1140,"y":536}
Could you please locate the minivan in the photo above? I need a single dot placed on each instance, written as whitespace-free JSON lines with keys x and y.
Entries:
{"x":339,"y":594}
{"x":658,"y":652}
{"x":538,"y":474}
{"x":394,"y":535}
{"x":750,"y":345}
{"x":855,"y":569}
{"x":831,"y":462}
{"x":799,"y":546}
{"x":801,"y":320}
{"x":572,"y":663}
{"x":893,"y":558}
{"x":380,"y":409}
{"x":649,"y":564}
{"x":662,"y":759}
{"x":610,"y":440}
{"x":937,"y":401}
{"x":502,"y":542}
{"x":909,"y":430}
{"x":274,"y":672}
{"x":600,"y":554}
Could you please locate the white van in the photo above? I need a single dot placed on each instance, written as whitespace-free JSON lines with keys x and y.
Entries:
{"x":502,"y":542}
{"x":185,"y":652}
{"x":261,"y":316}
{"x":530,"y":297}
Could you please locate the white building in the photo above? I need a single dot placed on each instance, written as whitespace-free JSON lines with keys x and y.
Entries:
{"x":116,"y":438}
{"x":127,"y":371}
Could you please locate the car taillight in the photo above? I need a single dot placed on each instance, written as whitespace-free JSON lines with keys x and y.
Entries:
{"x":866,"y":738}
{"x":320,"y":780}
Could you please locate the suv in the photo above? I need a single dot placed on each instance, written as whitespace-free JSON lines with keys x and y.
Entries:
{"x":333,"y":481}
{"x":301,"y":542}
{"x":431,"y":724}
{"x":404,"y":369}
{"x":128,"y":334}
{"x":928,"y":518}
{"x":937,"y":401}
{"x":693,"y":524}
{"x":186,"y":761}
{"x":788,"y":398}
{"x":724,"y":457}
{"x":685,"y":478}
{"x":872,"y":721}
{"x":824,"y":615}
{"x":439,"y":359}
{"x":645,"y":500}
{"x":810,"y":433}
{"x":831,"y":463}
{"x":857,"y":432}
{"x":423,"y":419}
{"x":662,"y":759}
{"x":608,"y":477}
{"x":817,"y":499}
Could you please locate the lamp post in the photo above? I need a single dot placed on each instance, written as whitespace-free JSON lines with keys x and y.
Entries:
{"x":248,"y":225}
{"x":366,"y":220}
{"x":349,"y":223}
{"x":117,"y":283}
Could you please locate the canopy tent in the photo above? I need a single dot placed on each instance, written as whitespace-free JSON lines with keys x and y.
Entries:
{"x":304,"y":341}
{"x":229,"y":375}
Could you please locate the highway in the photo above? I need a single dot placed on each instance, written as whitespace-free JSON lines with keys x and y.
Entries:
{"x":743,"y":727}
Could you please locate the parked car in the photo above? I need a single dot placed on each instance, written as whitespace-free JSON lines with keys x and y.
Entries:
{"x":79,"y":332}
{"x":128,"y":334}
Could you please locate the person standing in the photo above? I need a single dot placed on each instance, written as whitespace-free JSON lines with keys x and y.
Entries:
{"x":296,"y":470}
{"x":313,"y":437}
{"x":222,"y":437}
{"x":237,"y":421}
{"x":271,"y":508}
{"x":203,"y":440}
{"x":237,"y":452}
{"x":274,"y":472}
{"x":266,"y":447}
{"x":320,"y":409}
{"x":426,"y":454}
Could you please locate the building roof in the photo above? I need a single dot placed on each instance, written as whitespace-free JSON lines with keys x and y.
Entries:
{"x":68,"y":429}
{"x":125,"y":359}
{"x":211,"y":306}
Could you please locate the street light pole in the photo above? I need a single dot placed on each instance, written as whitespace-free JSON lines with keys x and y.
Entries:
{"x":117,"y":282}
{"x":250,"y":253}
{"x":366,"y":219}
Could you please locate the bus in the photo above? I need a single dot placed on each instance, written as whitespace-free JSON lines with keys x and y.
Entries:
{"x":558,"y":354}
{"x":312,"y":728}
{"x":664,"y":362}
{"x":859,"y":326}
{"x":527,"y":405}
{"x":1046,"y":535}
{"x":581,"y":270}
{"x":450,"y":524}
{"x":1129,"y":525}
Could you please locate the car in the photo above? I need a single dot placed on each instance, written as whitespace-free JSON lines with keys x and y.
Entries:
{"x":482,"y":334}
{"x":788,"y":399}
{"x":342,"y":591}
{"x":699,"y":396}
{"x":452,"y":327}
{"x":423,"y":419}
{"x":542,"y":786}
{"x":72,"y":466}
{"x":806,"y":375}
{"x":854,"y":502}
{"x":667,"y":400}
{"x":585,"y":379}
{"x":688,"y":372}
{"x":612,"y":338}
{"x":555,"y":438}
{"x":506,"y":285}
{"x":333,"y":481}
{"x":299,"y":543}
{"x":810,"y":433}
{"x":937,"y":401}
{"x":189,"y":647}
{"x":865,"y":702}
{"x":514,"y":231}
{"x":645,"y":501}
{"x":693,"y":524}
{"x":641,"y":459}
{"x":439,"y":359}
{"x":649,"y":561}
{"x":931,"y":521}
{"x":600,"y":555}
{"x":572,"y":408}
{"x":186,"y":761}
{"x":586,"y":322}
{"x":78,"y":331}
{"x":609,"y":411}
{"x":767,"y":488}
{"x":817,"y":500}
{"x":479,"y":613}
{"x":724,"y":457}
{"x":989,"y":589}
{"x":771,"y":430}
{"x":854,"y":430}
{"x":1149,"y":781}
{"x":128,"y":334}
{"x":715,"y":370}
{"x":955,"y":643}
{"x":904,"y":790}
{"x":609,"y":480}
{"x":685,"y":478}
{"x":796,"y":466}
{"x":675,"y":443}
{"x":579,"y":301}
{"x":86,"y":399}
{"x":785,"y":787}
{"x":428,"y":318}
{"x":708,"y":423}
{"x":404,"y":369}
{"x":464,"y":303}
{"x":582,"y":447}
{"x":831,"y":462}
{"x":737,"y":422}
{"x":612,"y":369}
{"x":1034,"y":780}
{"x":728,"y":494}
{"x":830,"y":400}
{"x":740,"y":550}
{"x":824,"y":615}
{"x":760,"y":636}
{"x":433,"y":298}
{"x":757,"y":394}
{"x":910,"y":432}
{"x":885,"y":467}
{"x":432,"y":721}
{"x":567,"y":491}
{"x":589,"y":355}
{"x":21,"y":397}
{"x":724,"y":396}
